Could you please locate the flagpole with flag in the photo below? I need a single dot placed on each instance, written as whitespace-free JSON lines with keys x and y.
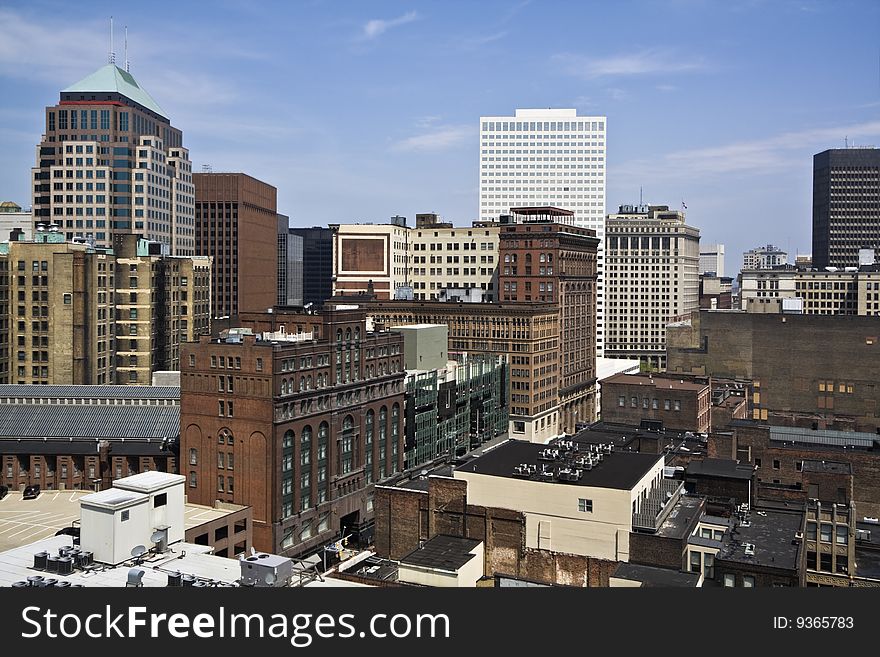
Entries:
{"x":683,"y":205}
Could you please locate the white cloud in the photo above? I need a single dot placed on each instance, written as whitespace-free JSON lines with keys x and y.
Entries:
{"x":773,"y":155}
{"x":438,"y":139}
{"x":637,"y":63}
{"x":377,"y":26}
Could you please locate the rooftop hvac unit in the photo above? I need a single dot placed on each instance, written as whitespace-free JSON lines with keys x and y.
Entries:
{"x":34,"y":580}
{"x":40,"y":559}
{"x":62,"y":585}
{"x":65,"y":565}
{"x":52,"y":564}
{"x":20,"y":584}
{"x":175,"y":579}
{"x":188,"y":580}
{"x":750,"y":549}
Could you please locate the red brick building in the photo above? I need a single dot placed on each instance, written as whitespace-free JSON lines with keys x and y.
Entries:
{"x":544,"y":259}
{"x":680,"y":404}
{"x":297,"y":423}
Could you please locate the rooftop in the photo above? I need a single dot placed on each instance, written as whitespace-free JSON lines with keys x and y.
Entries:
{"x":9,"y":393}
{"x":678,"y":523}
{"x":766,"y":539}
{"x":653,"y":576}
{"x":720,"y":468}
{"x":24,"y":521}
{"x":149,"y":481}
{"x":88,"y":421}
{"x":616,"y":470}
{"x":827,"y":437}
{"x":443,"y":553}
{"x":112,"y":79}
{"x":16,"y":565}
{"x":654,"y":381}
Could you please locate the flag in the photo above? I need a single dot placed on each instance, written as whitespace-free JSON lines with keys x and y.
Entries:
{"x":683,"y":205}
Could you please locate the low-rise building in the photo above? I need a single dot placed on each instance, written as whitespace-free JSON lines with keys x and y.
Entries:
{"x":675,"y":403}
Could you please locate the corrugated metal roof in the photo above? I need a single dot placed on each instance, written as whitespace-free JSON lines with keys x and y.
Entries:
{"x":823,"y":437}
{"x":85,"y":421}
{"x":88,"y":392}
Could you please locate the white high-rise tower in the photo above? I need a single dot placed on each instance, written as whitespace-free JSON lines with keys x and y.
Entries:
{"x":547,"y":157}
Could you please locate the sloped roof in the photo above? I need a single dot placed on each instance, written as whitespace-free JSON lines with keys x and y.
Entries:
{"x":88,"y":421}
{"x":112,"y":79}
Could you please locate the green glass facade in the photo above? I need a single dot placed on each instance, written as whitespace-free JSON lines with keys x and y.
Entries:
{"x":450,"y":413}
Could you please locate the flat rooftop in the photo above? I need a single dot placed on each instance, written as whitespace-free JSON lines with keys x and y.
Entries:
{"x":680,"y":518}
{"x":772,"y":533}
{"x":651,"y":576}
{"x":719,"y":468}
{"x":618,"y":470}
{"x":185,"y":558}
{"x":659,"y":382}
{"x":443,"y":553}
{"x":25,"y":521}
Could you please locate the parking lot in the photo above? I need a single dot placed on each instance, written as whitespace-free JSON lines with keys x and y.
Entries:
{"x":25,"y":521}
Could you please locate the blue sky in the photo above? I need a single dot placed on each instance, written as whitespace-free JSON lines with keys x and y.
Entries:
{"x":358,"y":111}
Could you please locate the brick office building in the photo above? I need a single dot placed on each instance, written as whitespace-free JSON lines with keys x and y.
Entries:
{"x":236,"y":222}
{"x":681,"y":404}
{"x":296,"y":424}
{"x":543,"y":258}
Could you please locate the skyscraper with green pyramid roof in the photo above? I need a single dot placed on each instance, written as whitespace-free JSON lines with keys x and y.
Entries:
{"x":110,"y":163}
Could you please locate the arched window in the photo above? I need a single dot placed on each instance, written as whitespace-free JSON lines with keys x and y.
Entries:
{"x":348,"y":335}
{"x":309,"y":382}
{"x":395,"y":420}
{"x":357,"y":333}
{"x":338,"y":335}
{"x":543,"y":258}
{"x":507,"y":257}
{"x":287,"y":442}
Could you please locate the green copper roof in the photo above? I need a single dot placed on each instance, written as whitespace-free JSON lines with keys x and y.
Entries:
{"x":110,"y":79}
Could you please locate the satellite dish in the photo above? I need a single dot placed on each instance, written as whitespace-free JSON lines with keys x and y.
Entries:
{"x":157,"y":536}
{"x":270,"y":579}
{"x":138,"y":550}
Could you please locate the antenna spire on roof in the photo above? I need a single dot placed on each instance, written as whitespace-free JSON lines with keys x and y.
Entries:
{"x":127,"y":67}
{"x":111,"y":57}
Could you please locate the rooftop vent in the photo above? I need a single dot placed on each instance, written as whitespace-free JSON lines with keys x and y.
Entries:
{"x":750,"y":549}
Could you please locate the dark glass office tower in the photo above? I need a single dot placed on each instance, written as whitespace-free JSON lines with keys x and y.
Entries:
{"x":317,"y":259}
{"x":846,"y":205}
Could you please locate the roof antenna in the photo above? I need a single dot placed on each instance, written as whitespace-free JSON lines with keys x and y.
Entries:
{"x":640,"y":195}
{"x":111,"y":59}
{"x":846,"y":142}
{"x":127,"y":67}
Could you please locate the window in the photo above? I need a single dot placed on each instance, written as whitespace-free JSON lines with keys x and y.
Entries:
{"x":124,"y":516}
{"x":221,"y":460}
{"x":709,"y":565}
{"x":193,"y":456}
{"x":776,"y":464}
{"x":221,"y":481}
{"x":811,"y":531}
{"x":634,"y":402}
{"x":192,"y":360}
{"x":677,"y":405}
{"x":665,"y":404}
{"x":696,"y":562}
{"x":825,"y":533}
{"x":729,"y":580}
{"x":748,"y":581}
{"x":842,"y":534}
{"x":825,"y":562}
{"x":259,"y":364}
{"x":621,"y":401}
{"x":585,"y":506}
{"x":160,"y":500}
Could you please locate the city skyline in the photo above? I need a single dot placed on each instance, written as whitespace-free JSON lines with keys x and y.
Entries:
{"x":393,"y":123}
